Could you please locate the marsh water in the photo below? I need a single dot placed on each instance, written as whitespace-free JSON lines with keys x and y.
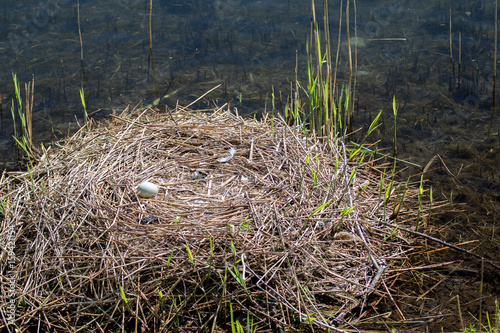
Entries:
{"x":435,"y":57}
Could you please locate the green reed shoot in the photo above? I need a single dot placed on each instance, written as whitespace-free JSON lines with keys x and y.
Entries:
{"x":122,"y":294}
{"x":389,"y":236}
{"x":395,"y":111}
{"x":250,"y":326}
{"x":238,"y":277}
{"x":390,"y":188}
{"x":359,"y":146}
{"x":190,"y":255}
{"x":388,"y":191}
{"x":321,"y":207}
{"x":236,"y":326}
{"x":246,"y":223}
{"x":170,"y":258}
{"x":233,"y":249}
{"x":124,"y":298}
{"x":2,"y":207}
{"x":272,"y":101}
{"x":233,"y":326}
{"x":345,"y":212}
{"x":292,"y":105}
{"x":362,"y":149}
{"x":368,"y":183}
{"x":317,"y":88}
{"x":23,"y":138}
{"x":84,"y":105}
{"x":296,"y":111}
{"x":46,"y":299}
{"x":400,"y":198}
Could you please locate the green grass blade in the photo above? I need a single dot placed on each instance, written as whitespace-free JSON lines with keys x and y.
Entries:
{"x":190,"y":255}
{"x":122,"y":294}
{"x":320,"y":207}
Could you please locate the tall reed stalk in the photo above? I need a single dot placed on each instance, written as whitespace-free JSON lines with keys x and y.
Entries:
{"x":328,"y":109}
{"x":23,"y":129}
{"x":493,"y":106}
{"x":81,"y":40}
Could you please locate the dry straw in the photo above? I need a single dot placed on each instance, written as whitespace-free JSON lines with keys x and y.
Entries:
{"x":284,"y":232}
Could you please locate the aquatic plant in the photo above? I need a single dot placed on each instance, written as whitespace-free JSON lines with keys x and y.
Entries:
{"x":328,"y":109}
{"x":84,"y":105}
{"x":23,"y":133}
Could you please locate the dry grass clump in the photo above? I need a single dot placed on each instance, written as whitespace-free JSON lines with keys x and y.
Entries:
{"x":285,"y":234}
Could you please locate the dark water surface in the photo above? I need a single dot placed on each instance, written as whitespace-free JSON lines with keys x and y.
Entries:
{"x":249,"y":47}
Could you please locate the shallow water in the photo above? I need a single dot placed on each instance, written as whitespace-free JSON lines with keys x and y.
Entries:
{"x":248,"y":46}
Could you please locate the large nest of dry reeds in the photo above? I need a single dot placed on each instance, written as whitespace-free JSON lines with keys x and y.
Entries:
{"x":253,"y":223}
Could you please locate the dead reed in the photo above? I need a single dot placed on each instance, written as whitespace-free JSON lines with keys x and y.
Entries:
{"x":285,"y":234}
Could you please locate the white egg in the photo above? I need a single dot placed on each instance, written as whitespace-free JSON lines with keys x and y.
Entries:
{"x":147,"y":190}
